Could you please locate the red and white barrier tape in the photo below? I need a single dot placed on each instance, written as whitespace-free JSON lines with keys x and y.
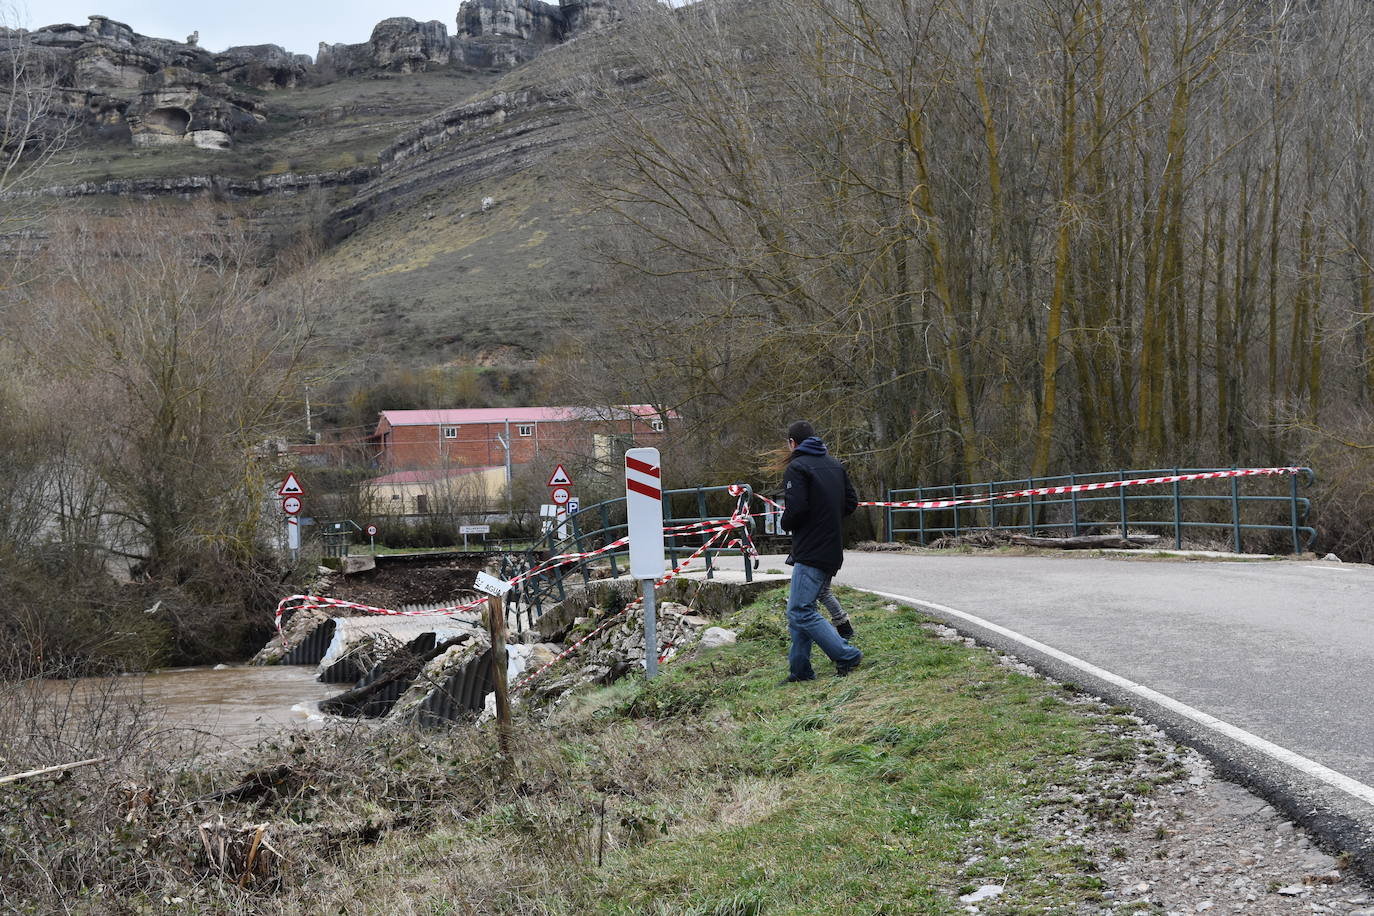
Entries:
{"x":306,"y":602}
{"x":712,"y":531}
{"x":1078,"y":488}
{"x":740,"y":520}
{"x":632,"y":606}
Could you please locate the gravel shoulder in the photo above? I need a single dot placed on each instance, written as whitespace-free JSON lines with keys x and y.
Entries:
{"x":1197,"y":843}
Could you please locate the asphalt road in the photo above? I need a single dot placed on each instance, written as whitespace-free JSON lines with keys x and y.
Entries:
{"x":1282,"y":649}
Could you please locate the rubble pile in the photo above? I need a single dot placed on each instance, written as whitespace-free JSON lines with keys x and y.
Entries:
{"x":611,"y":655}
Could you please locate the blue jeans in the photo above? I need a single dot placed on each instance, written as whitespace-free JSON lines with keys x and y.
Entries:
{"x":806,"y":625}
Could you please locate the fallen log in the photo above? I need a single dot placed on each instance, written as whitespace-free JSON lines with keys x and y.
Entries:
{"x":1088,"y":541}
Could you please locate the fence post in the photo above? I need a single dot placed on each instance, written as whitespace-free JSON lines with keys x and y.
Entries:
{"x":1293,"y":510}
{"x":749,"y":532}
{"x":921,"y":514}
{"x":606,"y":530}
{"x":1178,"y":520}
{"x":1235,"y":510}
{"x":992,"y":506}
{"x":701,"y":514}
{"x":1030,"y":485}
{"x":577,"y":539}
{"x":1073,"y":502}
{"x":888,"y":519}
{"x":671,"y":538}
{"x":496,"y":624}
{"x":1121,"y":492}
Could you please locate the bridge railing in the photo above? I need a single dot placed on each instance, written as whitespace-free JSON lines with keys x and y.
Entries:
{"x":603,"y":523}
{"x":1233,"y":506}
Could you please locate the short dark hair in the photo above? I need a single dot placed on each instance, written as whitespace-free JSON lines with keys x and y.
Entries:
{"x":800,"y":431}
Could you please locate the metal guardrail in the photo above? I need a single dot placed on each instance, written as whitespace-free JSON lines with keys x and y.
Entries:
{"x":1078,"y":513}
{"x":603,"y":523}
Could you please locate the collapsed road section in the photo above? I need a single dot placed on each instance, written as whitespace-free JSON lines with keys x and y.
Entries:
{"x":437,"y":668}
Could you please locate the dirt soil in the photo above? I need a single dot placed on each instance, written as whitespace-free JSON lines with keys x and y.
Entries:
{"x":396,"y":583}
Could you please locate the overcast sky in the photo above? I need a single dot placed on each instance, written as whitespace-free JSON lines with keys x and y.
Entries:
{"x":297,"y":25}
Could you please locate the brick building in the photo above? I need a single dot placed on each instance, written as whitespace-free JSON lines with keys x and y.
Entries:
{"x":472,"y":438}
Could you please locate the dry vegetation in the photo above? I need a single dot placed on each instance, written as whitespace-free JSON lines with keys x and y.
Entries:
{"x":149,"y":363}
{"x":979,"y":239}
{"x":712,"y":790}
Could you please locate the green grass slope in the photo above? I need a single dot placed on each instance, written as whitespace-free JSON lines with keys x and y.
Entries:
{"x":718,"y":790}
{"x":929,"y":772}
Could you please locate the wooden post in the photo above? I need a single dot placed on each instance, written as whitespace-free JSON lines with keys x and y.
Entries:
{"x":496,"y":625}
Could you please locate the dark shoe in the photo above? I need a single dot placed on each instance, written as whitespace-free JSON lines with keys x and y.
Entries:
{"x":846,"y":630}
{"x":843,"y":670}
{"x":793,"y":679}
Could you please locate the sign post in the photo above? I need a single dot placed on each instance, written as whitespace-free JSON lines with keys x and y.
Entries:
{"x":560,"y":495}
{"x":465,"y":530}
{"x":291,"y":492}
{"x":644,"y":507}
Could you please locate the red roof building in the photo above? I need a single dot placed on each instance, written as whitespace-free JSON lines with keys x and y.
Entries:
{"x":471,"y":438}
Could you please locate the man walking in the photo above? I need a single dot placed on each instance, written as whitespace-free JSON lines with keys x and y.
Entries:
{"x":817,"y":496}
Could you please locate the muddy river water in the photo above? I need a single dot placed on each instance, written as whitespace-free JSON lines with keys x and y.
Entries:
{"x":227,"y":707}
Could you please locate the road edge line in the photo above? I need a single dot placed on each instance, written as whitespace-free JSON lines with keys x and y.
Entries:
{"x":1238,"y":754}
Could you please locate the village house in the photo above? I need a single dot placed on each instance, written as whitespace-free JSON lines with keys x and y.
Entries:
{"x":510,"y":436}
{"x":449,"y":491}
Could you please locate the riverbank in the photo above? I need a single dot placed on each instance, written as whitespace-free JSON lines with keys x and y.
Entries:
{"x":936,"y":778}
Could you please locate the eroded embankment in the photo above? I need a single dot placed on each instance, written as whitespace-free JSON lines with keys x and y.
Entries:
{"x":935,"y":772}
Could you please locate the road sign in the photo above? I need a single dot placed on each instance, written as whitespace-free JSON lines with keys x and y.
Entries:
{"x":644,"y":505}
{"x":560,"y":496}
{"x":491,"y":585}
{"x":644,"y":508}
{"x":559,"y":478}
{"x":574,"y":505}
{"x":291,"y":486}
{"x":293,"y":534}
{"x":291,"y":505}
{"x":474,"y":529}
{"x":372,"y":531}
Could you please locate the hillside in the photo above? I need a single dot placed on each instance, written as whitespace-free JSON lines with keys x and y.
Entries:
{"x":444,"y":191}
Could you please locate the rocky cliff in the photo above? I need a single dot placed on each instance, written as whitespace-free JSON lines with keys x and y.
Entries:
{"x":157,"y":92}
{"x":436,"y":168}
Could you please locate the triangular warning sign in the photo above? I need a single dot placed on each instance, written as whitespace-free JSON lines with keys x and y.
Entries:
{"x":560,"y":478}
{"x":291,"y":486}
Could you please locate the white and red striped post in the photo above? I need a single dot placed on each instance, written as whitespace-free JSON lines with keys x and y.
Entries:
{"x":644,"y":513}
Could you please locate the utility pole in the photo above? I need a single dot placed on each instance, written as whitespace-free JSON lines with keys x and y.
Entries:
{"x":510,"y":497}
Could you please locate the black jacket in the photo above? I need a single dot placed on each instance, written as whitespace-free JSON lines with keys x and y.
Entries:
{"x":817,"y":495}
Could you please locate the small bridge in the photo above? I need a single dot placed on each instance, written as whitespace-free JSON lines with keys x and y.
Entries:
{"x":715,"y":524}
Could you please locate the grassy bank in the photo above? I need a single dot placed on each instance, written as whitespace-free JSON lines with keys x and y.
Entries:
{"x":931,"y":771}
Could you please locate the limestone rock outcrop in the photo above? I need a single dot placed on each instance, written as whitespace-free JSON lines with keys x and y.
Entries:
{"x":399,"y":44}
{"x":586,"y":15}
{"x":404,"y":45}
{"x":505,"y":33}
{"x":155,"y":91}
{"x":263,"y":66}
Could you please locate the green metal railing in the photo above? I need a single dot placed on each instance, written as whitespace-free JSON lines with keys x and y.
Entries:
{"x":1120,"y":509}
{"x":604,"y":523}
